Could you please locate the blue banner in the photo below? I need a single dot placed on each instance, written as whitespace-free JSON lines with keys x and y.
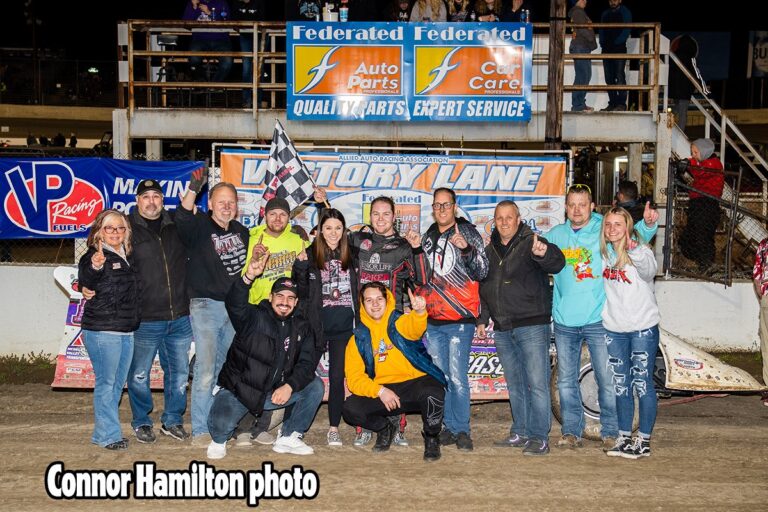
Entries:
{"x":409,"y":71}
{"x":60,"y":197}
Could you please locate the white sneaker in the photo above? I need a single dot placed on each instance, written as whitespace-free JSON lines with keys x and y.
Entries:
{"x":400,"y":439}
{"x":334,"y":438}
{"x":217,"y":450}
{"x":264,"y":438}
{"x":244,"y":439}
{"x":292,"y":444}
{"x":362,"y":437}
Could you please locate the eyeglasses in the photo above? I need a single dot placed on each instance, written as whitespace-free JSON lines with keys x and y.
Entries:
{"x":111,"y":230}
{"x":580,"y":186}
{"x":442,"y":206}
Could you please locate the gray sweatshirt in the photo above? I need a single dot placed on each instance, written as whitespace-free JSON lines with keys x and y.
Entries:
{"x":630,"y":302}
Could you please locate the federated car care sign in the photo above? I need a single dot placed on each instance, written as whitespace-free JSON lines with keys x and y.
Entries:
{"x":409,"y":71}
{"x":60,"y":198}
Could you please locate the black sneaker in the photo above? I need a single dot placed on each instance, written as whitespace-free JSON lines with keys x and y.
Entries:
{"x":145,"y":434}
{"x":623,"y":444}
{"x":384,"y":437}
{"x":464,"y":442}
{"x":118,"y":445}
{"x":512,"y":441}
{"x":640,"y":448}
{"x":447,"y":438}
{"x":175,"y":431}
{"x":431,"y":447}
{"x":536,"y":447}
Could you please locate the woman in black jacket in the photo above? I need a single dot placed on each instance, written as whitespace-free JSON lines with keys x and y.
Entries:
{"x":109,"y":320}
{"x":327,"y":279}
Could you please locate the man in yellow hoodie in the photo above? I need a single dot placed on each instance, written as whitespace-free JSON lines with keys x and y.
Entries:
{"x":389,"y":371}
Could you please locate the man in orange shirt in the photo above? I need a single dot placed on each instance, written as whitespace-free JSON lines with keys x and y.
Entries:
{"x":389,"y":371}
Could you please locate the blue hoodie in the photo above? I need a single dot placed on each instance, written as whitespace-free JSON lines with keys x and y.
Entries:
{"x":579,"y":294}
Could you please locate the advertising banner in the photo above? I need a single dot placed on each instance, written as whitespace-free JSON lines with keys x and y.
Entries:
{"x":409,"y":71}
{"x":60,"y":197}
{"x":352,"y":181}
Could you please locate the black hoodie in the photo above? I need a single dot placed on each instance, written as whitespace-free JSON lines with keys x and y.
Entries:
{"x":516,"y":292}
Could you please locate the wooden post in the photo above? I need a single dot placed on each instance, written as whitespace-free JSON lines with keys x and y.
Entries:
{"x":553,"y":132}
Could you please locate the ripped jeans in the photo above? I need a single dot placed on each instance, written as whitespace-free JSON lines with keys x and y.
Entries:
{"x":171,"y":340}
{"x":631,"y":357}
{"x":449,"y":346}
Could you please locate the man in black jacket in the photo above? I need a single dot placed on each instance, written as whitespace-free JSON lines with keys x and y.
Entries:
{"x":270,"y":365}
{"x":161,"y":261}
{"x":516,"y":295}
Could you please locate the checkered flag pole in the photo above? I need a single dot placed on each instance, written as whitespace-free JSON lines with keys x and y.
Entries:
{"x":287,"y":177}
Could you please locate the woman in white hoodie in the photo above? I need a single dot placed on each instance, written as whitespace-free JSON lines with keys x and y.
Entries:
{"x":631,"y":318}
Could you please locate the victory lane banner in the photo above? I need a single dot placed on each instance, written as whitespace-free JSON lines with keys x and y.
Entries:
{"x":409,"y":71}
{"x":352,"y":181}
{"x":60,"y":197}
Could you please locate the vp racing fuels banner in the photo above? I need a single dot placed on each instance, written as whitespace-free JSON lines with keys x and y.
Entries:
{"x":409,"y":71}
{"x":60,"y":197}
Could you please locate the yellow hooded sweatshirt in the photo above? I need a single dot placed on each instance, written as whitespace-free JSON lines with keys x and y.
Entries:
{"x":282,"y":253}
{"x":390,"y":365}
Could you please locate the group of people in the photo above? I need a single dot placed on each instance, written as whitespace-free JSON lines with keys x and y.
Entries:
{"x":395,"y":313}
{"x":613,"y":41}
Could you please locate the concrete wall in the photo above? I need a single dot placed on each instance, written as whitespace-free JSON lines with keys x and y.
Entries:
{"x":33,"y":309}
{"x":708,"y":315}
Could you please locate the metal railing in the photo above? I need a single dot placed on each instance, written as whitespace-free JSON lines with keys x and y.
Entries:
{"x":145,"y":58}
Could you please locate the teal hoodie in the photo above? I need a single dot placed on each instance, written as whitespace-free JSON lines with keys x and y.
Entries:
{"x":579,"y":293}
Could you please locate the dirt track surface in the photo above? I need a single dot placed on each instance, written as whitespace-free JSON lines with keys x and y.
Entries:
{"x":708,"y":454}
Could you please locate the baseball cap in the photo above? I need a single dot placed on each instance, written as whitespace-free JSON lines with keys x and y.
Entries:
{"x":285,"y":283}
{"x":277,"y":203}
{"x":146,"y":185}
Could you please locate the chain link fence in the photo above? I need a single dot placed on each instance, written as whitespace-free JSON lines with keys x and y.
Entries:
{"x":713,"y":237}
{"x":58,"y":251}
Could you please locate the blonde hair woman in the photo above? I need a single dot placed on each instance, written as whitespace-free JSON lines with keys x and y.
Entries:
{"x":109,"y":320}
{"x":429,"y":10}
{"x":458,"y":10}
{"x":631,"y":320}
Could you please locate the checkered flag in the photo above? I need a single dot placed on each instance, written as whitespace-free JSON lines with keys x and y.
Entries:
{"x":287,"y":176}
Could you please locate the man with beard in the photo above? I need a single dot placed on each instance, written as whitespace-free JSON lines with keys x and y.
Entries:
{"x":270,"y":365}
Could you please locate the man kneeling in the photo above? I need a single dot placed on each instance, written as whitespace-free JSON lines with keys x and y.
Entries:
{"x":270,"y":365}
{"x":389,"y":371}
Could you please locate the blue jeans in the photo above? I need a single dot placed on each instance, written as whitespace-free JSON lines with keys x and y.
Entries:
{"x":449,"y":346}
{"x":227,"y":411}
{"x":631,"y":356}
{"x":615,"y":75}
{"x":583,"y":70}
{"x":524,"y":356}
{"x":568,"y":341}
{"x":213,"y":335}
{"x":110,"y":356}
{"x":171,"y":339}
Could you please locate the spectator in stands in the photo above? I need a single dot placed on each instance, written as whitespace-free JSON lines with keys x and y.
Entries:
{"x":458,"y":10}
{"x":248,"y":10}
{"x":31,"y":140}
{"x":109,"y":319}
{"x":205,"y":11}
{"x":303,"y":10}
{"x":613,"y":41}
{"x":217,"y":248}
{"x":429,"y":10}
{"x":513,"y":10}
{"x":488,"y":10}
{"x":583,"y":41}
{"x":680,"y":88}
{"x":59,"y":140}
{"x":399,"y":10}
{"x":627,"y":198}
{"x":72,"y":140}
{"x":697,"y":242}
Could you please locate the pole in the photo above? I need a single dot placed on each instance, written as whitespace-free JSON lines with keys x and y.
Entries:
{"x":553,"y":132}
